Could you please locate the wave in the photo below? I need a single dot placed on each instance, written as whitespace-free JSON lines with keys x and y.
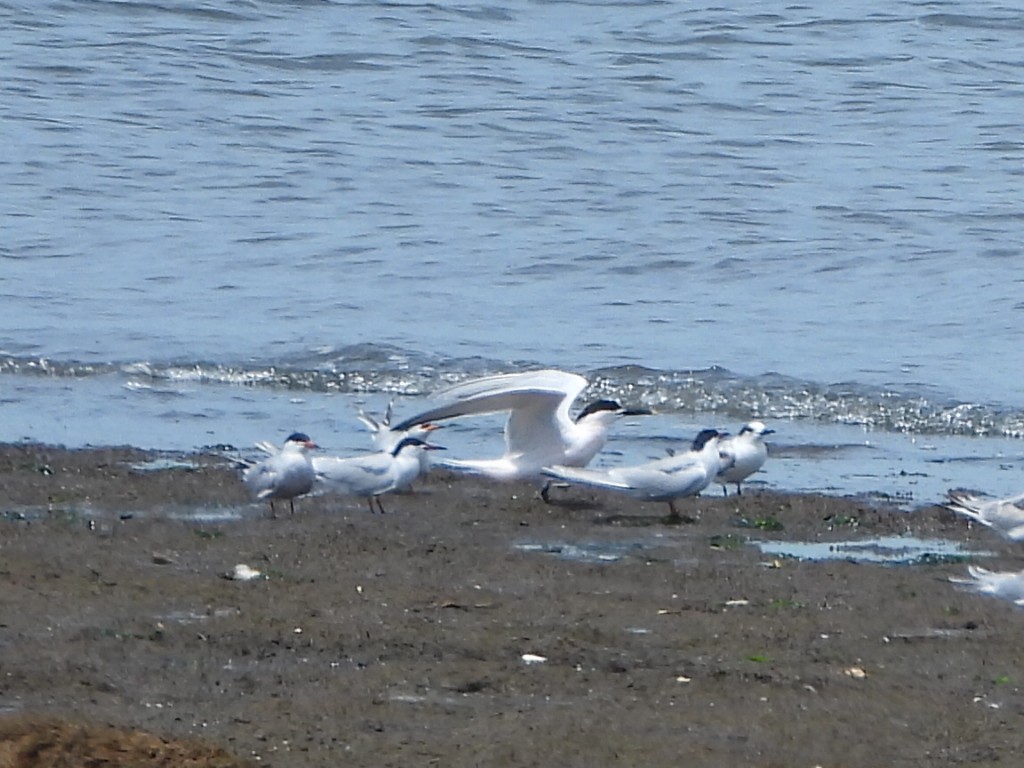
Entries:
{"x":377,"y":369}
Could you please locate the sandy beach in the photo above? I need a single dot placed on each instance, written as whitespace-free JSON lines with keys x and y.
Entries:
{"x":473,"y":624}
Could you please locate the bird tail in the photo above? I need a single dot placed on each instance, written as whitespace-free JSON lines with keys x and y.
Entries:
{"x":497,"y":469}
{"x":268,"y":447}
{"x":580,"y":476}
{"x":368,"y":420}
{"x":965,"y":504}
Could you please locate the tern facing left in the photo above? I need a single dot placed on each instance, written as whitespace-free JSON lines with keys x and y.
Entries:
{"x":375,"y":474}
{"x":285,"y":473}
{"x":683,"y":474}
{"x":742,"y":455}
{"x":540,"y":431}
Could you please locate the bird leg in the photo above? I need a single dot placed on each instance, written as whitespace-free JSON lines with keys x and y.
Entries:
{"x":674,"y":516}
{"x":673,"y":513}
{"x":545,"y":491}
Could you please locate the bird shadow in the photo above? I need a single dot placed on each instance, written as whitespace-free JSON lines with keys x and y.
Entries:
{"x":574,"y":505}
{"x":643,"y":521}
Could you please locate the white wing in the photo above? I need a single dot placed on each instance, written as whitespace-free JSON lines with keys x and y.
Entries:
{"x":356,"y":476}
{"x":668,"y":478}
{"x":595,"y":478}
{"x":538,"y":402}
{"x":681,"y":475}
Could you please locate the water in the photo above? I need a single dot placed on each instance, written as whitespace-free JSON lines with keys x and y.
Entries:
{"x":886,"y":550}
{"x":225,"y":221}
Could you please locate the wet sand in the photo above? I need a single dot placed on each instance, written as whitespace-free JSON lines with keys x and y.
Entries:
{"x":476,"y":625}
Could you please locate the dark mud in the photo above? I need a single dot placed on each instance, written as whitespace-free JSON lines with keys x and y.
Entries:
{"x":475,"y":625}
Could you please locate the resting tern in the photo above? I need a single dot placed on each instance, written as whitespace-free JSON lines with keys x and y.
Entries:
{"x":539,"y":431}
{"x":1008,"y":585}
{"x":385,"y":438}
{"x":287,"y":472}
{"x":683,"y":474}
{"x":1005,"y":516}
{"x":374,"y":474}
{"x":742,"y":455}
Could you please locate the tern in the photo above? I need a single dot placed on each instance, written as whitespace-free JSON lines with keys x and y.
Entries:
{"x":1008,"y":585}
{"x":287,"y":472}
{"x":742,"y":455}
{"x":539,"y":432}
{"x":682,"y":474}
{"x":375,"y":474}
{"x":385,"y":438}
{"x":1006,"y":516}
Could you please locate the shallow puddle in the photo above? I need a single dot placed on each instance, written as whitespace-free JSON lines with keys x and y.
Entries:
{"x":162,"y":463}
{"x":584,"y":552}
{"x":889,"y":550}
{"x":210,"y":515}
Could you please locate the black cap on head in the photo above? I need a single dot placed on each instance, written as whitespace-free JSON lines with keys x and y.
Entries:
{"x":597,"y":406}
{"x":702,"y":438}
{"x":298,"y":437}
{"x":407,"y":442}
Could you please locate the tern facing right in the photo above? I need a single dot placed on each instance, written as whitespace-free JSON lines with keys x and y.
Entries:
{"x":385,"y":438}
{"x":375,"y":474}
{"x":1005,"y":516}
{"x":539,"y":432}
{"x":1008,"y":585}
{"x":683,"y":474}
{"x":742,"y":455}
{"x":286,"y":473}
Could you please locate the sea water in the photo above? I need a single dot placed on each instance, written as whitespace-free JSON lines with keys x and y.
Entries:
{"x":226,"y":221}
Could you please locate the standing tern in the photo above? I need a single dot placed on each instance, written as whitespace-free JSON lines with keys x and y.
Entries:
{"x":287,"y":472}
{"x":1005,"y":516}
{"x":375,"y":474}
{"x":385,"y":438}
{"x":742,"y":455}
{"x":539,"y":432}
{"x":683,"y":474}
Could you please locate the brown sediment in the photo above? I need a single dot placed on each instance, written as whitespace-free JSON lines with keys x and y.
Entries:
{"x":476,"y":625}
{"x":37,"y":742}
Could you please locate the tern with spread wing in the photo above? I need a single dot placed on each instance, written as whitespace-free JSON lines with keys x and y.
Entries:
{"x":287,"y":472}
{"x":539,"y":432}
{"x":742,"y":455}
{"x":374,"y":474}
{"x":682,"y":474}
{"x":1005,"y":516}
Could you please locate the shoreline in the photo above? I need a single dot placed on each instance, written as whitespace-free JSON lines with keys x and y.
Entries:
{"x":475,"y":624}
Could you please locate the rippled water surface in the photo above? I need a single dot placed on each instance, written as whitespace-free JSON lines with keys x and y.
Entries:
{"x":225,"y":220}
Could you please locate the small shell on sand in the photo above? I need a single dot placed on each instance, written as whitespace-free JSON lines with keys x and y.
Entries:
{"x":243,"y":572}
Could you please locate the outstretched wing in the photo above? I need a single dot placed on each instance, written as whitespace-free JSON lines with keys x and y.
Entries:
{"x":537,"y":400}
